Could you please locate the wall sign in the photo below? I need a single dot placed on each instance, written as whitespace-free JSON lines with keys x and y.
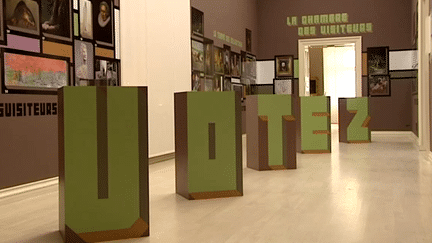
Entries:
{"x":226,"y":38}
{"x":27,"y":109}
{"x":327,"y":24}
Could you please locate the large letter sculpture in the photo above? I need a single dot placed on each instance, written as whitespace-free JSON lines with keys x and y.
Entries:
{"x":354,"y":118}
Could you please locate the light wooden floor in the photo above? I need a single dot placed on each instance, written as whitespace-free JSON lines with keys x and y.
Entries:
{"x":378,"y":192}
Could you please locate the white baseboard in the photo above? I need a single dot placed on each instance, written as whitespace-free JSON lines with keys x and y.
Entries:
{"x":28,"y":187}
{"x":392,"y":133}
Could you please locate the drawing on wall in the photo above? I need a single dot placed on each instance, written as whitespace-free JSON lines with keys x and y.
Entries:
{"x":86,"y":20}
{"x":283,"y":86}
{"x":284,"y":66}
{"x":248,"y":40}
{"x":378,"y":60}
{"x":197,"y":56}
{"x":235,"y":64}
{"x":208,"y":55}
{"x":102,"y":22}
{"x":106,"y":72}
{"x":197,"y":25}
{"x":83,"y":63}
{"x":218,"y":60}
{"x":56,"y":19}
{"x":227,"y":60}
{"x":27,"y":71}
{"x":379,"y":85}
{"x":23,"y":16}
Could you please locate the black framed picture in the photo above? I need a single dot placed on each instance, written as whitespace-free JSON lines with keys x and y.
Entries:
{"x":235,"y":64}
{"x":197,"y":56}
{"x":227,"y":60}
{"x":218,"y":60}
{"x":103,"y":24}
{"x":378,"y":60}
{"x":379,"y":85}
{"x":197,"y":22}
{"x":248,"y":40}
{"x":29,"y":72}
{"x":23,"y":16}
{"x":250,"y":65}
{"x":56,"y":19}
{"x":197,"y":81}
{"x":284,"y":66}
{"x":106,"y":72}
{"x":84,"y":63}
{"x":208,"y":56}
{"x":227,"y":85}
{"x":3,"y":39}
{"x":283,"y":86}
{"x":86,"y":19}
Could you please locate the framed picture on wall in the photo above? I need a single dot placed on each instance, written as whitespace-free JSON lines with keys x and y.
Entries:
{"x":235,"y":65}
{"x":250,"y":65}
{"x":284,"y":66}
{"x":197,"y":22}
{"x":227,"y":86}
{"x":106,"y":72}
{"x":283,"y":86}
{"x":248,"y":40}
{"x":2,"y":25}
{"x":103,"y":24}
{"x":86,"y":19}
{"x":197,"y":81}
{"x":227,"y":60}
{"x":378,"y":60}
{"x":208,"y":56}
{"x":218,"y":82}
{"x":197,"y":56}
{"x":28,"y":72}
{"x":379,"y":85}
{"x":23,"y":16}
{"x":84,"y":63}
{"x":218,"y":60}
{"x":56,"y":18}
{"x":237,"y":87}
{"x":208,"y":84}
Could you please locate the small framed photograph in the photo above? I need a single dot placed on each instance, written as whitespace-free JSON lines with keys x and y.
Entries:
{"x":283,"y":86}
{"x":284,"y":66}
{"x":227,"y":60}
{"x":197,"y":22}
{"x":106,"y":72}
{"x":378,"y":60}
{"x":248,"y":40}
{"x":197,"y":56}
{"x":379,"y":85}
{"x":235,"y":65}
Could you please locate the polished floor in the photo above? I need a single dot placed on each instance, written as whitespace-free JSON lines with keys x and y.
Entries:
{"x":378,"y":192}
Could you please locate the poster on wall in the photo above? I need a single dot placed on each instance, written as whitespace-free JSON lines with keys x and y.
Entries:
{"x":208,"y":56}
{"x":218,"y":60}
{"x":103,"y":10}
{"x":282,"y":86}
{"x":86,"y":20}
{"x":235,"y":64}
{"x":56,"y":19}
{"x":378,"y":60}
{"x":197,"y":56}
{"x":197,"y":22}
{"x":248,"y":40}
{"x":227,"y":60}
{"x":23,"y":16}
{"x":106,"y":72}
{"x":27,"y":71}
{"x":284,"y":66}
{"x":83,"y":63}
{"x":379,"y":85}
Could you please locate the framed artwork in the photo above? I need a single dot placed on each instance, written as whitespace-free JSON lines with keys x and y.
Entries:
{"x":208,"y":84}
{"x":218,"y":82}
{"x":3,"y":40}
{"x":86,"y":19}
{"x":283,"y":86}
{"x":250,"y":65}
{"x":378,"y":60}
{"x":103,"y":24}
{"x":117,"y":32}
{"x":197,"y":22}
{"x":218,"y":60}
{"x":284,"y":66}
{"x":106,"y":72}
{"x":197,"y":81}
{"x":208,"y":56}
{"x":379,"y":85}
{"x":248,"y":40}
{"x":227,"y":86}
{"x":235,"y":65}
{"x":28,"y":72}
{"x":227,"y":60}
{"x":23,"y":16}
{"x":238,"y":88}
{"x":197,"y":56}
{"x":75,"y":4}
{"x":56,"y":18}
{"x":84,"y":64}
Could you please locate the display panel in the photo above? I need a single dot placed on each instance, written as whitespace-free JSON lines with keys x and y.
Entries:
{"x":102,"y":22}
{"x":56,"y":19}
{"x":23,"y":16}
{"x":27,"y":72}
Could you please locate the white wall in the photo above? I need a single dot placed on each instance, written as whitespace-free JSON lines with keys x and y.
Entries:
{"x":265,"y":72}
{"x":155,"y":52}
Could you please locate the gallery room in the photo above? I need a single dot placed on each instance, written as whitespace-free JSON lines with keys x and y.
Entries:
{"x":215,"y":121}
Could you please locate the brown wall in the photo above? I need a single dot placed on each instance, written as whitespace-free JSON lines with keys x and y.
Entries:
{"x":28,"y":144}
{"x":316,"y":57}
{"x":231,"y":18}
{"x":392,"y":23}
